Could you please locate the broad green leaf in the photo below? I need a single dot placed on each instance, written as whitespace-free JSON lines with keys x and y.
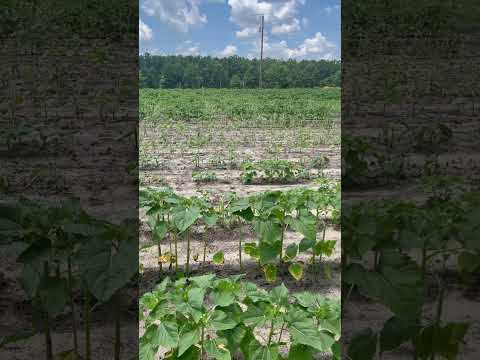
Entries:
{"x":167,"y":334}
{"x":254,"y":316}
{"x":296,"y":270}
{"x":305,"y":224}
{"x":266,"y":353}
{"x":269,"y":252}
{"x":468,"y":262}
{"x":270,"y":271}
{"x":147,"y":351}
{"x":251,"y":249}
{"x":217,"y":349}
{"x":267,"y":231}
{"x":18,"y":336}
{"x":196,"y":297}
{"x":337,"y":350}
{"x":219,"y":258}
{"x":306,"y":299}
{"x":160,"y":230}
{"x":210,"y":219}
{"x":188,"y":339}
{"x":186,"y":217}
{"x":222,"y":321}
{"x":441,"y":340}
{"x":301,"y":352}
{"x":234,"y":337}
{"x":203,"y":281}
{"x":303,"y":331}
{"x":306,"y":244}
{"x":106,"y":270}
{"x":31,"y":279}
{"x":149,"y":301}
{"x":54,"y":295}
{"x":291,"y":252}
{"x":395,"y":332}
{"x":279,"y":295}
{"x":324,"y":247}
{"x":398,"y":284}
{"x":225,"y":292}
{"x":363,"y":345}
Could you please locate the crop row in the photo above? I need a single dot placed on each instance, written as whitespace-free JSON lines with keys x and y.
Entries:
{"x":208,"y":104}
{"x":64,"y":252}
{"x":270,"y":214}
{"x":393,"y":251}
{"x":221,"y":318}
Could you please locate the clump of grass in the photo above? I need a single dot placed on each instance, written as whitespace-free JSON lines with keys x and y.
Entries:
{"x":204,"y":176}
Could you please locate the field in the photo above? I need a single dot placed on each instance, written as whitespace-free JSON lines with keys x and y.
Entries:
{"x":240,"y":182}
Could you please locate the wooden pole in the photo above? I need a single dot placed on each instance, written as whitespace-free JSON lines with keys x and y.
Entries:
{"x":261,"y":51}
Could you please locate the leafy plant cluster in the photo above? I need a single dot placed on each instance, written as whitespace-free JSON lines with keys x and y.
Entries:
{"x":65,"y":251}
{"x":393,"y":250}
{"x":204,"y":176}
{"x":270,"y":214}
{"x":208,"y":317}
{"x":273,"y":171}
{"x":374,"y":160}
{"x":275,"y":107}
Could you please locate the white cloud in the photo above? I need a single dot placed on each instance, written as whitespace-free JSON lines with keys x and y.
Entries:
{"x":178,"y":14}
{"x":330,"y":9}
{"x":315,"y":48}
{"x":280,"y":14}
{"x":188,"y":49}
{"x":246,"y":33}
{"x":144,"y":31}
{"x":228,"y":51}
{"x":292,"y":27}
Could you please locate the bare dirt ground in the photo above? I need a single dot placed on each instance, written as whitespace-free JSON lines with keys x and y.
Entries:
{"x":174,"y":168}
{"x":84,"y":156}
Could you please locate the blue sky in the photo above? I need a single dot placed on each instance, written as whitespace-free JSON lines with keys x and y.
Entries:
{"x":296,"y":29}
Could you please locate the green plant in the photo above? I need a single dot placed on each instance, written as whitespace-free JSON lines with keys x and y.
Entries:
{"x":63,"y":249}
{"x":222,"y":318}
{"x":397,"y":233}
{"x":273,"y":171}
{"x":204,"y":176}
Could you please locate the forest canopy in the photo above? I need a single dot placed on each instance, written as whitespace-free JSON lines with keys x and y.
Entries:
{"x":176,"y":71}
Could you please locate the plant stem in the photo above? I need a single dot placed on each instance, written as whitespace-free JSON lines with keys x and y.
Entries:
{"x":176,"y":250}
{"x":117,"y":326}
{"x":240,"y":250}
{"x":204,"y":247}
{"x":281,"y":332}
{"x":72,"y":305}
{"x":187,"y":234}
{"x":424,"y":261}
{"x":159,"y":256}
{"x":281,"y":242}
{"x":201,"y":344}
{"x":86,"y":310}
{"x":270,"y":335}
{"x":48,"y":337}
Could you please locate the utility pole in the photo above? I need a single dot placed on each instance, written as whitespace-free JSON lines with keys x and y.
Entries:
{"x":262,"y":24}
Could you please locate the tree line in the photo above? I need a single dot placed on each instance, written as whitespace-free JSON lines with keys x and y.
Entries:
{"x":176,"y":71}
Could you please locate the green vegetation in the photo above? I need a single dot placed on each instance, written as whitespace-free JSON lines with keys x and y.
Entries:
{"x":65,"y":252}
{"x":167,"y":72}
{"x":288,"y":107}
{"x":204,"y":176}
{"x":273,"y":172}
{"x":221,"y":318}
{"x":411,"y":245}
{"x":270,"y":214}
